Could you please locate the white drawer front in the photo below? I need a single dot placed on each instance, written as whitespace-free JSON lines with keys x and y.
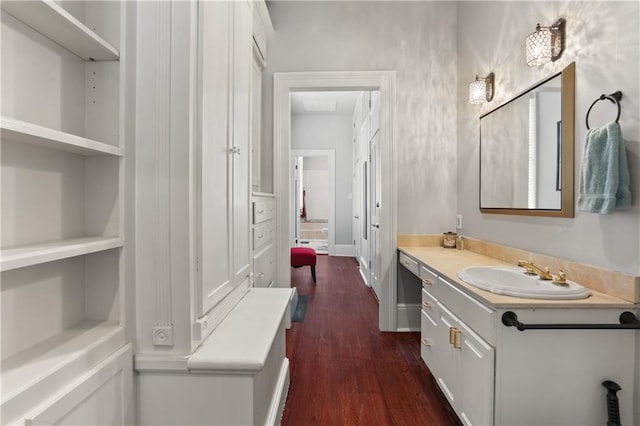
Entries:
{"x":263,"y":268}
{"x":262,"y":211}
{"x":409,"y":263}
{"x":429,"y":281}
{"x":476,"y":315}
{"x":262,"y":235}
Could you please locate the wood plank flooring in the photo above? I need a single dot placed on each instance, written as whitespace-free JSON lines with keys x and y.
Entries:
{"x":344,"y":371}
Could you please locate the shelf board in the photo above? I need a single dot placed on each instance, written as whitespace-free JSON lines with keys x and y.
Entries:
{"x":52,"y":21}
{"x":34,"y":254}
{"x":41,"y":370}
{"x":23,"y":132}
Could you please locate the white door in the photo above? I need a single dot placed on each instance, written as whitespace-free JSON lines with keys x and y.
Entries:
{"x":376,"y":195}
{"x":241,"y":145}
{"x":216,"y":277}
{"x":365,"y":189}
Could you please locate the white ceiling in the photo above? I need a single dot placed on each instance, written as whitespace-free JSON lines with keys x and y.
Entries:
{"x":345,"y":102}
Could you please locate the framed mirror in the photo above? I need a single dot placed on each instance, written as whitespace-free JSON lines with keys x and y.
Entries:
{"x":527,"y":151}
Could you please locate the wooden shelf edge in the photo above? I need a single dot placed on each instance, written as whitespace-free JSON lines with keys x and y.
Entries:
{"x":34,"y":134}
{"x":29,"y":255}
{"x":55,"y":23}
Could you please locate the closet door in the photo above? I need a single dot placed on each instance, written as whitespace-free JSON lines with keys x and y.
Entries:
{"x":241,"y":143}
{"x":214,"y":259}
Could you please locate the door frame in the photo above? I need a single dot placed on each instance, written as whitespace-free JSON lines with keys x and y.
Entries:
{"x":385,"y":81}
{"x":330,"y":154}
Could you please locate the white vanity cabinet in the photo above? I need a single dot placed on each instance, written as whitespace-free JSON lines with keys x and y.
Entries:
{"x":459,"y":359}
{"x":493,"y":374}
{"x":65,"y":137}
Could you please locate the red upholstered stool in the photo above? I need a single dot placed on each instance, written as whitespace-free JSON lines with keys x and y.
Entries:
{"x":304,"y":256}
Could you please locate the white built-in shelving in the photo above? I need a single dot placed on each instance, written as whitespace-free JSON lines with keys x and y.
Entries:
{"x":54,"y":22}
{"x":23,"y":132}
{"x":34,"y":254}
{"x":62,"y":247}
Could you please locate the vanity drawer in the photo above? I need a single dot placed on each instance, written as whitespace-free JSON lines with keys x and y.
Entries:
{"x":476,"y":315}
{"x":429,"y":302}
{"x":429,"y":280}
{"x":262,"y":210}
{"x":262,"y":235}
{"x":409,"y":263}
{"x":263,"y":268}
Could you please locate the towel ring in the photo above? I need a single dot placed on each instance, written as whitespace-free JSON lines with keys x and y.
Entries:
{"x":613,"y":98}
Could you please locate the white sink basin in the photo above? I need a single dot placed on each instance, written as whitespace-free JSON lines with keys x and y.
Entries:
{"x":512,"y":281}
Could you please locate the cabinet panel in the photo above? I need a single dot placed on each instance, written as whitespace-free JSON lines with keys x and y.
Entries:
{"x":476,"y":378}
{"x":215,"y":157}
{"x":102,"y":397}
{"x":241,"y":144}
{"x":262,"y":211}
{"x":448,"y":356}
{"x":264,"y":267}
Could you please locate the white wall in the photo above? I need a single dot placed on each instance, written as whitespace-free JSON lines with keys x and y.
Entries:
{"x":330,"y":132}
{"x":603,"y":40}
{"x":401,"y":36}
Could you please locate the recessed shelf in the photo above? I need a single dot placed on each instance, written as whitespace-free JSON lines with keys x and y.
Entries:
{"x":52,"y":21}
{"x":43,"y":368}
{"x":34,"y":254}
{"x":23,"y":132}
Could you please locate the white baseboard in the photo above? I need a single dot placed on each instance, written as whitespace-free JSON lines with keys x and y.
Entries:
{"x":344,"y":250}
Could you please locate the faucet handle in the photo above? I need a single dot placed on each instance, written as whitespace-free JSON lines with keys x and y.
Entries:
{"x":561,"y":278}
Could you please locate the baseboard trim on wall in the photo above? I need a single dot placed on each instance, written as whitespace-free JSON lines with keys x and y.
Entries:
{"x":344,"y":250}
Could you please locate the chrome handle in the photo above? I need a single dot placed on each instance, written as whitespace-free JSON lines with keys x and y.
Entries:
{"x":260,"y":274}
{"x":260,"y":211}
{"x":260,"y":236}
{"x":427,"y":304}
{"x":356,"y":217}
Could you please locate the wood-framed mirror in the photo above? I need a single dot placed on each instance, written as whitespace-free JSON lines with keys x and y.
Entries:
{"x":527,"y":151}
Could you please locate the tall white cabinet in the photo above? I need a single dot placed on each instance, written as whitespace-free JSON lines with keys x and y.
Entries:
{"x":64,"y":143}
{"x":211,"y":346}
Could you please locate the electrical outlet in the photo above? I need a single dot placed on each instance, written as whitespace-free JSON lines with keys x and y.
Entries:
{"x":458,"y":221}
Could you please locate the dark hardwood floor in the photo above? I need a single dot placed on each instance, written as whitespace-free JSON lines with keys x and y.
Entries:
{"x":344,"y":371}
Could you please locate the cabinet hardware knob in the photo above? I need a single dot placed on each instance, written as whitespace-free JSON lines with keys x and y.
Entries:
{"x":260,"y":211}
{"x":427,"y":304}
{"x":451,"y":335}
{"x":426,"y":342}
{"x":235,"y":150}
{"x":427,"y":282}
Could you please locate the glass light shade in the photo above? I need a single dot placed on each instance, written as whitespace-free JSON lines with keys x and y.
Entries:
{"x":543,"y":45}
{"x":478,"y":92}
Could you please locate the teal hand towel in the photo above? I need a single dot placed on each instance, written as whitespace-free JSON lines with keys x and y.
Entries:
{"x":604,"y":176}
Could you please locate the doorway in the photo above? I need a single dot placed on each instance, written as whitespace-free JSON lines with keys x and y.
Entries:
{"x":384,"y":82}
{"x":313,"y":203}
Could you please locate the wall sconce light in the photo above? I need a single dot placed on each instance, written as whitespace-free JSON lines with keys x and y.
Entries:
{"x":481,"y":89}
{"x":545,"y":44}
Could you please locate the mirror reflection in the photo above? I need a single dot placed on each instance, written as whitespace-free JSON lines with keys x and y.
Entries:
{"x":525,"y":149}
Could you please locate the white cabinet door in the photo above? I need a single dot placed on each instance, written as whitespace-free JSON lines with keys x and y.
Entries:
{"x":429,"y":333}
{"x":214,"y":259}
{"x":448,"y":356}
{"x":476,"y":379}
{"x":241,"y":144}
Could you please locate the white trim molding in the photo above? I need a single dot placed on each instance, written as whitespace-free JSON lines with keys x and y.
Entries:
{"x":385,"y":82}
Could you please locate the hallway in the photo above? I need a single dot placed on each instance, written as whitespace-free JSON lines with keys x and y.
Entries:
{"x":344,"y":371}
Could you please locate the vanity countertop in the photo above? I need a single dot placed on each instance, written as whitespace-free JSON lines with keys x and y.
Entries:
{"x":447,"y":262}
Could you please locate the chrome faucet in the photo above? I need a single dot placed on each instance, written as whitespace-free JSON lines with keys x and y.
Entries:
{"x":532,"y":269}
